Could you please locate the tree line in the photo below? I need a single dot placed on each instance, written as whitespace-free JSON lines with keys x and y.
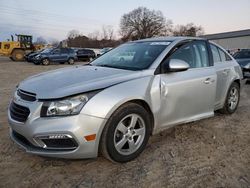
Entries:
{"x":140,"y":23}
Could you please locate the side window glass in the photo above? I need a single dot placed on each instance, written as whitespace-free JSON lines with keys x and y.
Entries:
{"x":222,"y":55}
{"x":201,"y":55}
{"x":64,"y":50}
{"x":195,"y":54}
{"x":215,"y":53}
{"x":56,"y":51}
{"x":184,"y":53}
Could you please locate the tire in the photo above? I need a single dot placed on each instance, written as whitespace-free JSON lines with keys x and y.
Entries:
{"x":232,"y":99}
{"x":71,"y":61}
{"x":45,"y":61}
{"x":17,"y":55}
{"x":118,"y":130}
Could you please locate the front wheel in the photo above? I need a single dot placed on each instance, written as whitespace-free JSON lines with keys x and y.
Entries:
{"x":126,"y":133}
{"x":45,"y":61}
{"x":232,"y":100}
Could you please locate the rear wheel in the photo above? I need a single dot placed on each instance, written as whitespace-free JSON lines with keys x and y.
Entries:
{"x":17,"y":55}
{"x":126,"y":133}
{"x":71,"y":61}
{"x":45,"y":61}
{"x":232,"y":100}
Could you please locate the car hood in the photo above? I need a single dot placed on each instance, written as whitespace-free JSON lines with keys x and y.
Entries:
{"x":79,"y":79}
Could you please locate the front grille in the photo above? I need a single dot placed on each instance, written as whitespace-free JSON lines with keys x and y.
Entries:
{"x":27,"y":96}
{"x":18,"y":112}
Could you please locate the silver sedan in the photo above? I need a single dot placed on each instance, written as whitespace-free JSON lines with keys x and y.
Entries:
{"x":113,"y":106}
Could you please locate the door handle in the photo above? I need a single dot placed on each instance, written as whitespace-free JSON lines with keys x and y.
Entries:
{"x":208,"y":81}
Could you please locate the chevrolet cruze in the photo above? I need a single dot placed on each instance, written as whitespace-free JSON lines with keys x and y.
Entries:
{"x":112,"y":107}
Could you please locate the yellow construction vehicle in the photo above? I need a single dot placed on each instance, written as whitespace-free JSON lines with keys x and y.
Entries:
{"x":16,"y":50}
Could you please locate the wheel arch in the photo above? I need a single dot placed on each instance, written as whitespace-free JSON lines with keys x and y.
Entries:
{"x":12,"y":51}
{"x":146,"y":106}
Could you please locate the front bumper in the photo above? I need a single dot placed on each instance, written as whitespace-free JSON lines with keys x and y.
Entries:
{"x":28,"y":134}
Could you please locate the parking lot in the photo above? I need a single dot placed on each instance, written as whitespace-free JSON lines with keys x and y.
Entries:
{"x":214,"y":152}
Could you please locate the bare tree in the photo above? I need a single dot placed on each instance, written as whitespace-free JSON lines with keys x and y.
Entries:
{"x":73,"y":34}
{"x":54,"y":42}
{"x":108,"y":32}
{"x":142,"y":23}
{"x":95,"y":35}
{"x":189,"y":29}
{"x":40,"y":40}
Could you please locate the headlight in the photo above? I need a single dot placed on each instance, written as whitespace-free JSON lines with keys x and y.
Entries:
{"x":67,"y":106}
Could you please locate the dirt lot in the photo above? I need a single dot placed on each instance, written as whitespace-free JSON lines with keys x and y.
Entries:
{"x":214,"y":152}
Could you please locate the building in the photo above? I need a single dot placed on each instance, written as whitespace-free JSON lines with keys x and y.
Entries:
{"x":231,"y":40}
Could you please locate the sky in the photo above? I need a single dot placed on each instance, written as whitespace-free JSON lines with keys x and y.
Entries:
{"x":53,"y":19}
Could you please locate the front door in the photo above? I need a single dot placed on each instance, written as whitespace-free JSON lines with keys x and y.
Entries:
{"x":188,"y":95}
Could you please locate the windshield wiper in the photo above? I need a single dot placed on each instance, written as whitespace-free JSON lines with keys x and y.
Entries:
{"x":109,"y":66}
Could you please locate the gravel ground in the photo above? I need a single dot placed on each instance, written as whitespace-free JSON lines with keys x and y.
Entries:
{"x":214,"y":152}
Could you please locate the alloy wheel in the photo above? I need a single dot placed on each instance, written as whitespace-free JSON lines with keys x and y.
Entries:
{"x":129,"y":134}
{"x":233,"y":98}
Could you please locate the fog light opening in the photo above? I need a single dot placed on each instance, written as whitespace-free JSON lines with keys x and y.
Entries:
{"x":57,"y":141}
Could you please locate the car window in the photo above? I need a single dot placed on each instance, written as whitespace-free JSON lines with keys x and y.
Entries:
{"x":195,"y":54}
{"x":215,"y":53}
{"x":132,"y":56}
{"x":224,"y":56}
{"x":56,"y":51}
{"x":64,"y":50}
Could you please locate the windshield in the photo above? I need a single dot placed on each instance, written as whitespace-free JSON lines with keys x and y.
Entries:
{"x":242,"y":54}
{"x":132,"y":56}
{"x":47,"y":50}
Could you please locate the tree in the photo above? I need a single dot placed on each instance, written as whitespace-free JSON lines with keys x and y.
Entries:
{"x":95,"y":35}
{"x":189,"y":29}
{"x":108,"y":32}
{"x":40,"y":40}
{"x":73,"y":34}
{"x":54,"y":42}
{"x":142,"y":23}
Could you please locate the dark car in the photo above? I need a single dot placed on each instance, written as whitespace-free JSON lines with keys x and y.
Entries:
{"x":243,"y":58}
{"x":30,"y":56}
{"x":104,"y":50}
{"x":58,"y":55}
{"x":85,"y":54}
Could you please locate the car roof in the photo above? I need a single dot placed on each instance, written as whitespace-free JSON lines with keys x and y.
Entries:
{"x":170,"y":39}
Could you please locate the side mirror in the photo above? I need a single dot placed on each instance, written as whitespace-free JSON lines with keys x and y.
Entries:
{"x":175,"y":65}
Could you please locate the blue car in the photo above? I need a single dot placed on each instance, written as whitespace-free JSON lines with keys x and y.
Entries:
{"x":58,"y":55}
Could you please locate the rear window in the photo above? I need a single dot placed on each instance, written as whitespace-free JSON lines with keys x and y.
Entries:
{"x":215,"y":53}
{"x":219,"y":55}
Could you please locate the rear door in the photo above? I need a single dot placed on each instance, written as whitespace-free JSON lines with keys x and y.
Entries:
{"x":64,"y":54}
{"x":188,"y":95}
{"x":223,"y":72}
